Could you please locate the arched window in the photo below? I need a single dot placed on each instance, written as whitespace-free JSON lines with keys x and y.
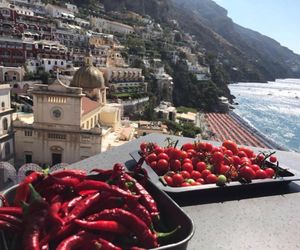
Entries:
{"x":7,"y":149}
{"x":5,"y":124}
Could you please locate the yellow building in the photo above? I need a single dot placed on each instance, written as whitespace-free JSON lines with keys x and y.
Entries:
{"x":69,"y":122}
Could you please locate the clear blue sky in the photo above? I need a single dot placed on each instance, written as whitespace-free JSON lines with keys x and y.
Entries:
{"x":278,"y":19}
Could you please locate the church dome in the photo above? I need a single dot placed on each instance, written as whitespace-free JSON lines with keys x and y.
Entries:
{"x":88,"y":77}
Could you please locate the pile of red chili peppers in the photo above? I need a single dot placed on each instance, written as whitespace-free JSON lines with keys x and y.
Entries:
{"x":69,"y":209}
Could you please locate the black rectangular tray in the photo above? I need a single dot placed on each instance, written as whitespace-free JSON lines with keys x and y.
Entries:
{"x":171,"y":214}
{"x":290,"y":175}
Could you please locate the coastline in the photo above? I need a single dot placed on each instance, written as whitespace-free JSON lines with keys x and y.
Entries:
{"x":230,"y":126}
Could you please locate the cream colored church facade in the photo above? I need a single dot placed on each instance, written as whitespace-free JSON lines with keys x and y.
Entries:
{"x":69,"y":122}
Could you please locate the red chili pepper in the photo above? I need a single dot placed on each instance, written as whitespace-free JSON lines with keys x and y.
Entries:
{"x":11,"y":219}
{"x":82,"y":206}
{"x":133,"y":223}
{"x":23,"y":189}
{"x":66,"y":181}
{"x":103,"y":186}
{"x":4,"y":201}
{"x":68,"y":205}
{"x":146,"y":198}
{"x":103,"y":225}
{"x":140,"y":211}
{"x":54,"y":208}
{"x":17,"y":211}
{"x":88,"y":192}
{"x":4,"y":225}
{"x":70,"y":242}
{"x":104,"y":245}
{"x":75,"y":173}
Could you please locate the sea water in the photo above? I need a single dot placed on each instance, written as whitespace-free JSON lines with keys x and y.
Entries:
{"x":272,"y":108}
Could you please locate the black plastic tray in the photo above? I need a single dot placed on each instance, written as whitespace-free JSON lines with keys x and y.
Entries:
{"x":171,"y":214}
{"x":290,"y":175}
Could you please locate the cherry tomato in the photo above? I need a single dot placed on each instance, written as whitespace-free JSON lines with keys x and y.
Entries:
{"x":175,"y":153}
{"x":170,"y":173}
{"x":247,"y":173}
{"x":228,"y":152}
{"x":241,"y":154}
{"x":175,"y":165}
{"x":245,"y":161}
{"x":273,"y":159}
{"x":249,"y":152}
{"x":195,"y":183}
{"x":201,"y":146}
{"x":228,"y":160}
{"x":185,"y":184}
{"x":217,"y":157}
{"x":190,"y":181}
{"x":187,"y":166}
{"x":261,"y":174}
{"x":158,"y":150}
{"x":187,"y":160}
{"x":255,"y":167}
{"x":201,"y":166}
{"x":184,"y":154}
{"x":270,"y":172}
{"x":196,"y":174}
{"x":163,"y":156}
{"x":224,"y":169}
{"x":177,"y":179}
{"x":152,"y":157}
{"x":153,"y":165}
{"x":162,"y":166}
{"x":185,"y":174}
{"x":205,"y":173}
{"x":231,"y":146}
{"x":169,"y":180}
{"x":208,"y":147}
{"x":211,"y":178}
{"x":260,"y":157}
{"x":200,"y":180}
{"x":143,"y":146}
{"x":188,"y":146}
{"x":236,"y":160}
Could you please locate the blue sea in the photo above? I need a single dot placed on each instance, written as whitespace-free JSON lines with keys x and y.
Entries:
{"x":272,"y":108}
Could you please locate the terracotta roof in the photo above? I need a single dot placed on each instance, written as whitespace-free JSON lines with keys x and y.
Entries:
{"x":88,"y":105}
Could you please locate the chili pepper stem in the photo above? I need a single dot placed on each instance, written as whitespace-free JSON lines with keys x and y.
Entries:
{"x":161,"y":235}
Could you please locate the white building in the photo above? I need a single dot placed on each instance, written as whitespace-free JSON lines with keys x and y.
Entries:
{"x":6,"y":132}
{"x":49,"y":65}
{"x":69,"y":122}
{"x":72,"y":7}
{"x":104,"y":25}
{"x":59,"y":12}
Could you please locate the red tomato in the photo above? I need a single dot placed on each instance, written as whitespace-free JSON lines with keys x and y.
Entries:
{"x":187,"y":167}
{"x":152,"y":157}
{"x":247,"y":173}
{"x":175,"y":165}
{"x":205,"y":173}
{"x":201,"y":146}
{"x":187,"y":160}
{"x":217,"y":157}
{"x":224,"y":169}
{"x":201,"y":166}
{"x":273,"y":158}
{"x":177,"y":180}
{"x":196,"y":175}
{"x":208,"y":147}
{"x":184,"y":154}
{"x":185,"y":174}
{"x":170,"y":173}
{"x":242,"y":154}
{"x":236,"y":160}
{"x":188,"y":146}
{"x":169,"y":180}
{"x":260,"y":157}
{"x":175,"y":153}
{"x":158,"y":150}
{"x":162,"y":166}
{"x":255,"y":167}
{"x":261,"y":174}
{"x":195,"y":183}
{"x":245,"y":161}
{"x":249,"y":152}
{"x":143,"y":146}
{"x":216,"y":149}
{"x":228,"y":160}
{"x":228,"y":152}
{"x":153,"y":165}
{"x":185,"y":184}
{"x":270,"y":172}
{"x":163,"y":156}
{"x":211,"y":178}
{"x":200,"y":180}
{"x":231,"y":146}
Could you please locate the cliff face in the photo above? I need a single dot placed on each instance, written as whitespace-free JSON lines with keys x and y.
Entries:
{"x":257,"y":57}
